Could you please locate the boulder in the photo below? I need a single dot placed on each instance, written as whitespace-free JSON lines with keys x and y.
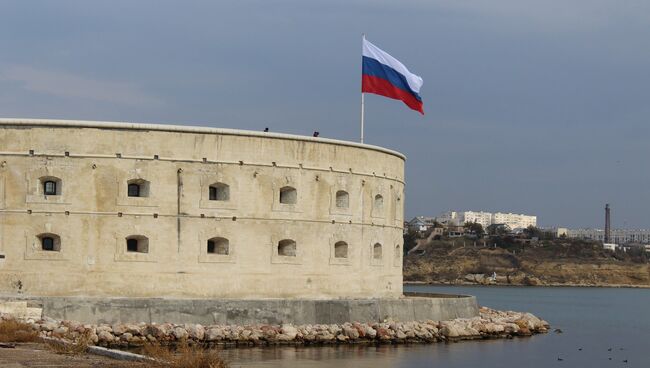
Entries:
{"x":214,"y":334}
{"x":370,"y":332}
{"x":49,"y":325}
{"x":127,"y":336}
{"x":289,"y":331}
{"x":105,"y":336}
{"x":351,"y":332}
{"x":195,"y":332}
{"x":118,"y":329}
{"x":179,"y":333}
{"x":60,"y":331}
{"x":285,"y":337}
{"x":160,"y":332}
{"x":325,"y":337}
{"x":452,"y":329}
{"x":383,"y":333}
{"x":132,"y":329}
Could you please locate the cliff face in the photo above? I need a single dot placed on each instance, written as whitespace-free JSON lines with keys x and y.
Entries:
{"x":543,"y":264}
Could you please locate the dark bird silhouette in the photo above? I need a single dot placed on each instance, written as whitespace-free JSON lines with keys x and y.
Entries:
{"x":557,"y":330}
{"x":625,"y":361}
{"x":610,"y":349}
{"x":316,"y":134}
{"x":579,"y":349}
{"x":610,"y":358}
{"x":559,"y":359}
{"x":266,"y":129}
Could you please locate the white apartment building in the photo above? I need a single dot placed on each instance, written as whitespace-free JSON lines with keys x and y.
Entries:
{"x":486,"y":219}
{"x":483,"y":218}
{"x":514,"y":220}
{"x":617,"y":236}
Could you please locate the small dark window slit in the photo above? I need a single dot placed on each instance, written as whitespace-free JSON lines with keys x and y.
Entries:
{"x":47,"y":243}
{"x":134,"y":190}
{"x":49,"y":187}
{"x":132,"y":245}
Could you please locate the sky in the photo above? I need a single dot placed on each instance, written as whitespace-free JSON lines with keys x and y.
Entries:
{"x":536,"y":107}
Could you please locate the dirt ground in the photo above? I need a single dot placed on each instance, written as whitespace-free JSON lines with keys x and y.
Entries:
{"x":38,"y":355}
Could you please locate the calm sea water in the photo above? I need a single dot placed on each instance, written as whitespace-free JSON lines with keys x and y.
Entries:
{"x":592,"y":319}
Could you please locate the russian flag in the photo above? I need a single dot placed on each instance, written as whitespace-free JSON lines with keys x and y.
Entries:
{"x":384,"y":75}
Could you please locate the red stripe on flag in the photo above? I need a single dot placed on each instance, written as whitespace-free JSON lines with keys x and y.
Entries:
{"x":379,"y":86}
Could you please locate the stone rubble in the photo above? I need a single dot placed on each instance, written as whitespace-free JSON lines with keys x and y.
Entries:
{"x":490,"y":324}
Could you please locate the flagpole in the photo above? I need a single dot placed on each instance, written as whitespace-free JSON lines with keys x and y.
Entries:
{"x":363,"y":37}
{"x":362,"y":105}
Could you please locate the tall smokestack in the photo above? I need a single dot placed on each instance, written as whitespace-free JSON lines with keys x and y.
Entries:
{"x":607,"y":224}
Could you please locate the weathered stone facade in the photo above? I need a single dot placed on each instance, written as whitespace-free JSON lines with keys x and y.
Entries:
{"x":219,"y":213}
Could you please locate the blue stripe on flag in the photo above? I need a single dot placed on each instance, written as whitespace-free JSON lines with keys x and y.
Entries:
{"x":374,"y":68}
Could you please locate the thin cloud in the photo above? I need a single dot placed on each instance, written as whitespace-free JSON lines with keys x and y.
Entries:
{"x":71,"y":86}
{"x":555,"y":16}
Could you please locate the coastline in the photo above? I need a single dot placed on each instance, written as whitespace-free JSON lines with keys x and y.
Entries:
{"x":554,"y":285}
{"x":490,"y":324}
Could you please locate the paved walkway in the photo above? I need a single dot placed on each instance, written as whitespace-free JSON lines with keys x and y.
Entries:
{"x":37,"y":355}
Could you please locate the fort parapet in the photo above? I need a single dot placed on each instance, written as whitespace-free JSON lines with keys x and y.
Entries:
{"x":136,"y":210}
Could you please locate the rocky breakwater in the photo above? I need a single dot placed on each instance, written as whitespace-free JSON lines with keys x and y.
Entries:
{"x":490,"y":324}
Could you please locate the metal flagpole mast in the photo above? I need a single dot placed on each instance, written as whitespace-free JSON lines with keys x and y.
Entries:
{"x":363,"y":37}
{"x":362,"y":104}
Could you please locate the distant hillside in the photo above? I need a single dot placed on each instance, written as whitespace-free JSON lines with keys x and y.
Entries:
{"x":548,"y":262}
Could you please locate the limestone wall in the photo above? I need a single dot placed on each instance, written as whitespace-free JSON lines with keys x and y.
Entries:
{"x":91,"y":215}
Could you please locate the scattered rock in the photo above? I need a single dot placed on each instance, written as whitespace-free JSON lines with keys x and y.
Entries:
{"x":489,"y":324}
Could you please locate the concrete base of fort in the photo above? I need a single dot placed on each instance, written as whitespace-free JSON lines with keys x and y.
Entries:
{"x":411,"y":307}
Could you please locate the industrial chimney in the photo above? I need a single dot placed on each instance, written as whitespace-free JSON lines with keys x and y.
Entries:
{"x":607,"y":224}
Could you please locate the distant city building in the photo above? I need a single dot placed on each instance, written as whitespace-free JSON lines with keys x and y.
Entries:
{"x":617,"y":236}
{"x":421,"y":223}
{"x":512,"y":220}
{"x":609,"y":246}
{"x":483,"y":218}
{"x":556,"y":232}
{"x":448,"y":218}
{"x":455,"y":231}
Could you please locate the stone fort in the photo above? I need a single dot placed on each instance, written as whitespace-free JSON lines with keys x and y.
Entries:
{"x":106,"y":209}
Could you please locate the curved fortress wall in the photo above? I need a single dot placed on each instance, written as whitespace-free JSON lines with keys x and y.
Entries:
{"x":108,"y":209}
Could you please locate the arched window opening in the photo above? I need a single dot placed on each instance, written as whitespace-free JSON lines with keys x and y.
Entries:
{"x":219,"y":192}
{"x":287,"y":248}
{"x":288,"y":195}
{"x":50,"y":242}
{"x":379,"y":202}
{"x":138,"y":188}
{"x":51,"y":186}
{"x":341,"y":250}
{"x":219,"y":246}
{"x":342,"y":199}
{"x":398,"y":252}
{"x":137,"y":244}
{"x":376,"y":251}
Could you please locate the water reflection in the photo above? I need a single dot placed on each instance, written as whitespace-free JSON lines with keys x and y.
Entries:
{"x":593,"y":321}
{"x":326,"y":356}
